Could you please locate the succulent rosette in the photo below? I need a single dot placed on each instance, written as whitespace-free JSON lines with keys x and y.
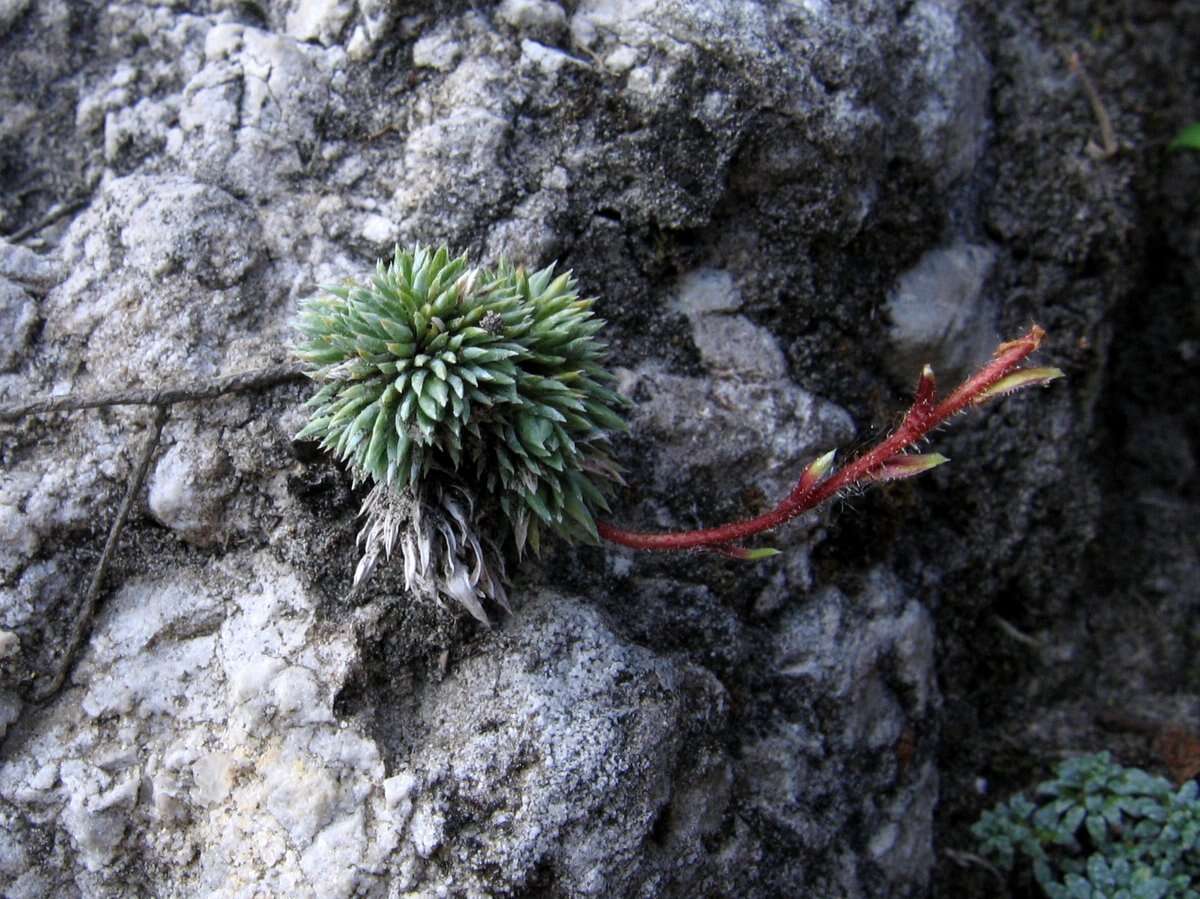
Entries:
{"x":476,"y":402}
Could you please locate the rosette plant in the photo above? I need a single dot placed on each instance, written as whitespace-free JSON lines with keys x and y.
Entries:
{"x":476,"y":403}
{"x":462,"y":395}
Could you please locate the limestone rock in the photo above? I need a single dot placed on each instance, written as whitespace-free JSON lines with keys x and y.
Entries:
{"x":784,"y":210}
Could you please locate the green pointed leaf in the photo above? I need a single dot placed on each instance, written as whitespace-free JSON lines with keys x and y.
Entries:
{"x":315,"y":426}
{"x":407,"y":406}
{"x":538,"y":505}
{"x":605,"y":417}
{"x":429,"y":406}
{"x":763,"y":552}
{"x":1018,"y":380}
{"x":418,"y":381}
{"x":426,"y":425}
{"x":1187,"y":139}
{"x":908,"y":466}
{"x":374,"y":459}
{"x":496,"y":376}
{"x":579,"y":512}
{"x":437,"y":389}
{"x":534,"y":432}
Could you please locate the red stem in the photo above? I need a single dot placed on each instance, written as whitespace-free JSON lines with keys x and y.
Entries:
{"x":921,"y":418}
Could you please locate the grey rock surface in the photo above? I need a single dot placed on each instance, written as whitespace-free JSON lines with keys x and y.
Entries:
{"x":940,"y":314}
{"x":785,"y":209}
{"x":18,"y":315}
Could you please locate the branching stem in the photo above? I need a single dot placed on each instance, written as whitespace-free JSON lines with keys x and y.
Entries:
{"x":887,"y":461}
{"x":162,"y":398}
{"x":239,"y":382}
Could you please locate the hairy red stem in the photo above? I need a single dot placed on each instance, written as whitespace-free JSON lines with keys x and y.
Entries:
{"x":810,"y":492}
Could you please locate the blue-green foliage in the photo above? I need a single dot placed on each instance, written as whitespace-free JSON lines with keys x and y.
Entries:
{"x":490,"y":377}
{"x":1101,"y":831}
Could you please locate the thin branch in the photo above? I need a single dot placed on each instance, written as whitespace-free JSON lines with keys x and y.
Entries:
{"x":87,"y":611}
{"x":1011,"y":630}
{"x":161,"y":398}
{"x":239,"y":382}
{"x":1108,"y":147}
{"x":887,"y":461}
{"x":967,"y":859}
{"x":58,"y":212}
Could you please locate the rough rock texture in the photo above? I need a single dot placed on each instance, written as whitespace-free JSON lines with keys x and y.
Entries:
{"x":786,"y":209}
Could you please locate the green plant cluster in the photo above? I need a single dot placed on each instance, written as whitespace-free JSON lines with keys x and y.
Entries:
{"x":488,"y":377}
{"x":1101,"y":831}
{"x":1187,"y":139}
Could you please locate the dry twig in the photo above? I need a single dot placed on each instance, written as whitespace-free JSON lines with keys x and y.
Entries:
{"x":87,"y":611}
{"x":162,"y":398}
{"x":58,"y":212}
{"x":1108,"y":147}
{"x":239,"y":382}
